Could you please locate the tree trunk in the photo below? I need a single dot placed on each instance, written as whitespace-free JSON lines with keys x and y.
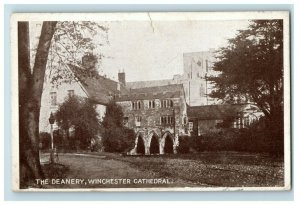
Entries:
{"x":30,"y":92}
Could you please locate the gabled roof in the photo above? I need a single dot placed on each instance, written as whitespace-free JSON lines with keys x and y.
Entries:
{"x":215,"y":112}
{"x":156,"y":92}
{"x":99,"y":89}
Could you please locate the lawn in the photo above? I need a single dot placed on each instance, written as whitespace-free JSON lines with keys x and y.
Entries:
{"x":207,"y":169}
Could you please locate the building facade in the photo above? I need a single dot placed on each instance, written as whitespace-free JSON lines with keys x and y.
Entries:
{"x":76,"y":82}
{"x":158,"y":116}
{"x":214,"y":118}
{"x":196,"y":67}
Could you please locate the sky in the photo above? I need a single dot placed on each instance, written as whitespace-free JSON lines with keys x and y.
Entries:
{"x":152,"y":52}
{"x":147,"y":50}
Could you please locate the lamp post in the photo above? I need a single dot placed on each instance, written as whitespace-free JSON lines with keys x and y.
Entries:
{"x":174,"y":124}
{"x":51,"y":121}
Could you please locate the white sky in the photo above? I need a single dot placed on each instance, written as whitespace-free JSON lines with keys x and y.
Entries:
{"x":153,"y":52}
{"x":147,"y":53}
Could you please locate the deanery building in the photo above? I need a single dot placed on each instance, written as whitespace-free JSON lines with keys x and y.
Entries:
{"x":158,"y":116}
{"x":159,"y":111}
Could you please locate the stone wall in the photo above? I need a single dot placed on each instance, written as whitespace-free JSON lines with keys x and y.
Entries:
{"x":151,"y":126}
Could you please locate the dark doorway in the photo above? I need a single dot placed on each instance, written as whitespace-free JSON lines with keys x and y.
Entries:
{"x":168,"y":145}
{"x":140,"y":148}
{"x":154,"y":146}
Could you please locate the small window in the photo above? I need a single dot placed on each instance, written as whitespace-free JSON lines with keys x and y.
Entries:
{"x":199,"y":63}
{"x":70,"y":93}
{"x":125,"y":121}
{"x":202,"y":93}
{"x":167,"y":120}
{"x":53,"y":97}
{"x":139,"y":105}
{"x":190,"y":126}
{"x":167,"y":103}
{"x":151,"y":104}
{"x":138,"y":120}
{"x":136,"y":105}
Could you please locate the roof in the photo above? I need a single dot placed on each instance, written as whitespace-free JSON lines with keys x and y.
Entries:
{"x":151,"y":83}
{"x":215,"y":112}
{"x":155,"y":92}
{"x":99,"y":88}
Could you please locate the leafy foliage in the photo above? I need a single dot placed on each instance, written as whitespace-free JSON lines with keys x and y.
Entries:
{"x":184,"y":144}
{"x":115,"y":136}
{"x":71,"y":41}
{"x":251,"y":69}
{"x":80,"y":114}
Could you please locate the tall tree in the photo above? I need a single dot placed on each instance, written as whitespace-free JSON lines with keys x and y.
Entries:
{"x":68,"y":44}
{"x":30,"y":91}
{"x":251,"y":68}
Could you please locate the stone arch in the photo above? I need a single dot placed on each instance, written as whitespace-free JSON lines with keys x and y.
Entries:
{"x":168,"y":143}
{"x":140,"y":144}
{"x":154,"y":147}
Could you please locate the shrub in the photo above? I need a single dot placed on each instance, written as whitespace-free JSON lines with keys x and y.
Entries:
{"x":79,"y":113}
{"x":184,"y":144}
{"x":115,"y":136}
{"x":195,"y":143}
{"x":45,"y":140}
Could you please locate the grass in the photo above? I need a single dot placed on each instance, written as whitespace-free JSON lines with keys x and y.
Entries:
{"x":207,"y":169}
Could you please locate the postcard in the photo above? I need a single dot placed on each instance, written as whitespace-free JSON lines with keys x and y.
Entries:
{"x":157,"y":101}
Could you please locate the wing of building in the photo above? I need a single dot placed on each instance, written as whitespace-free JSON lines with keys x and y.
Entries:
{"x":158,"y":116}
{"x":209,"y":118}
{"x":81,"y":83}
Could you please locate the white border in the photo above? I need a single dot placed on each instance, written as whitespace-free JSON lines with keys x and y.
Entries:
{"x":166,"y":16}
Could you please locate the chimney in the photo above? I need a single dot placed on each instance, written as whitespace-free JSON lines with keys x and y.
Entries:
{"x":89,"y":61}
{"x":121,"y":78}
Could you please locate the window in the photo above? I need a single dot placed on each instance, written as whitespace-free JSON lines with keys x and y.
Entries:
{"x":167,"y":103}
{"x":53,"y":97}
{"x":136,"y":105}
{"x":138,"y":120}
{"x":202,"y":93}
{"x":247,"y":121}
{"x":151,"y":104}
{"x":70,"y":93}
{"x":190,"y":126}
{"x":167,"y":120}
{"x":238,"y":123}
{"x":125,"y":121}
{"x":199,"y":63}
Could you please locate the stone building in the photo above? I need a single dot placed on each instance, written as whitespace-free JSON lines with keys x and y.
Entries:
{"x":77,"y":80}
{"x":159,"y":111}
{"x":211,"y":118}
{"x":158,"y":116}
{"x":196,"y":67}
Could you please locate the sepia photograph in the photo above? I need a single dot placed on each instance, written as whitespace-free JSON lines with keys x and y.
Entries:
{"x":157,"y":101}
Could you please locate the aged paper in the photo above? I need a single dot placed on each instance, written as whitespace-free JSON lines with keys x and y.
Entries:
{"x":190,"y":101}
